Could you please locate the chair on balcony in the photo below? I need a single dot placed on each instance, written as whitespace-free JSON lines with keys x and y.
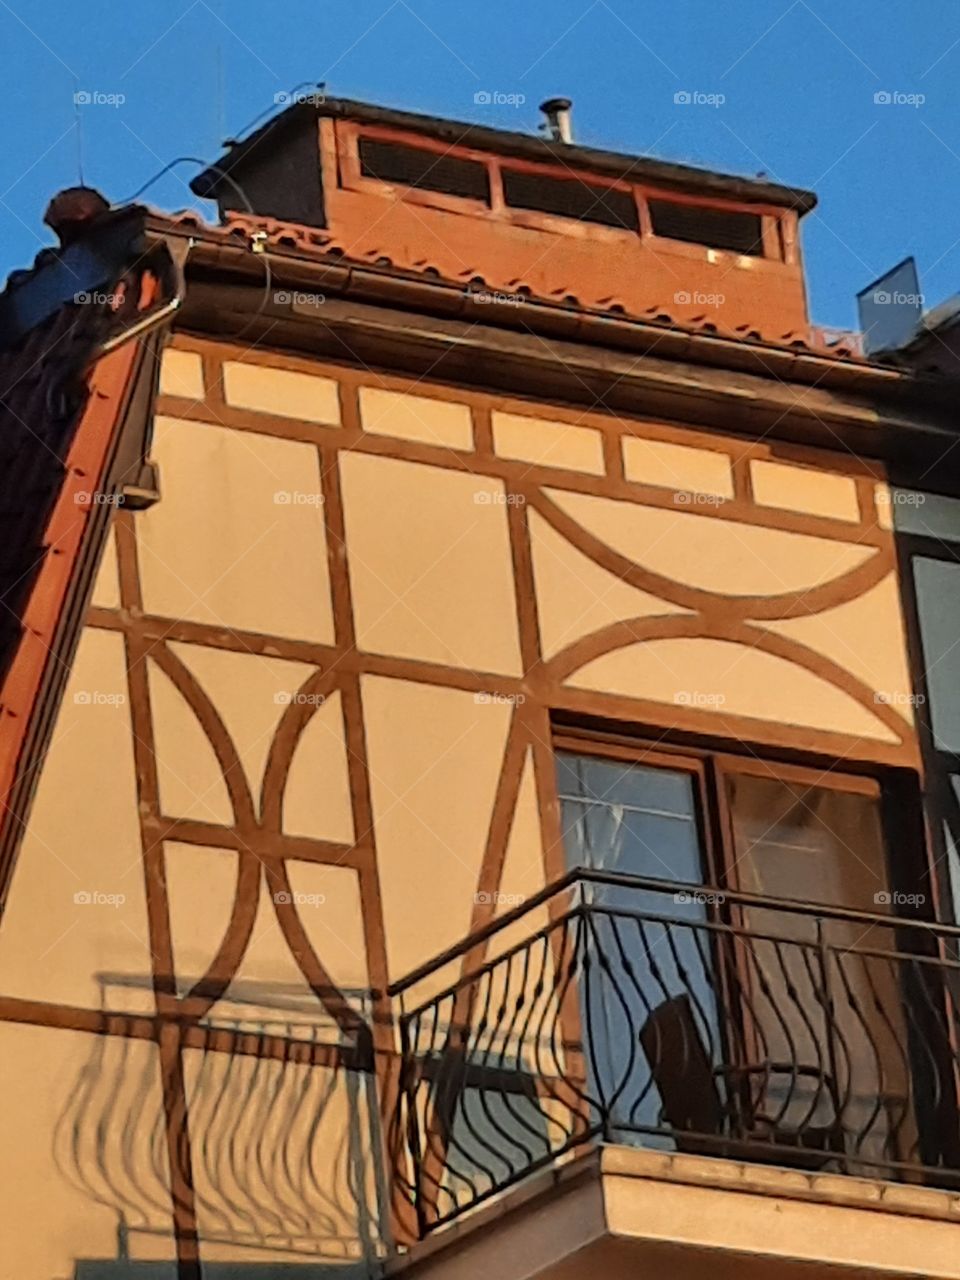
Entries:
{"x":704,"y":1122}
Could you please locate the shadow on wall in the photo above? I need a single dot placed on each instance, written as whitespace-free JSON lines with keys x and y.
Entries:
{"x":284,"y":1146}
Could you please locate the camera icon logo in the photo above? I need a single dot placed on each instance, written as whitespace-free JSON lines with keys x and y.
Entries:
{"x":683,"y":98}
{"x":483,"y":97}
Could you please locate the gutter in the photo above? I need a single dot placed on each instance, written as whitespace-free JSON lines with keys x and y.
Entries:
{"x":445,"y":299}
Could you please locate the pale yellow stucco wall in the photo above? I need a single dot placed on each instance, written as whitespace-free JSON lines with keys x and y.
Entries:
{"x":240,"y":543}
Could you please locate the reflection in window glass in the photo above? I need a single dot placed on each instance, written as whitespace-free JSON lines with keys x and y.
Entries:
{"x":930,"y":515}
{"x":938,"y":609}
{"x":628,"y":817}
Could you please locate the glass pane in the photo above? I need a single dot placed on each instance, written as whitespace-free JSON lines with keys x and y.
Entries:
{"x":928,"y":514}
{"x":811,"y":843}
{"x":938,"y":607}
{"x":818,"y":845}
{"x":656,"y":945}
{"x":629,"y":818}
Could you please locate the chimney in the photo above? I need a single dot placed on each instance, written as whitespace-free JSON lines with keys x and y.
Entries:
{"x":559,"y":124}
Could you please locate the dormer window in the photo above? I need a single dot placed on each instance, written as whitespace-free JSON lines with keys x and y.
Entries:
{"x":726,"y":229}
{"x":543,"y":196}
{"x":423,"y":170}
{"x":570,"y":197}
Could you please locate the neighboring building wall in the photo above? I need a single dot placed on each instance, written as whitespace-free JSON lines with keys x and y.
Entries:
{"x":307,"y":741}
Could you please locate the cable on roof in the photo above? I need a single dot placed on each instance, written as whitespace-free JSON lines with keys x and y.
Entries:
{"x":221,"y":173}
{"x":304,"y":84}
{"x":268,"y":272}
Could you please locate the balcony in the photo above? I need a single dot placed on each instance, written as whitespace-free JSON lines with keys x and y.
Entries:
{"x":620,"y":1073}
{"x":688,"y":1021}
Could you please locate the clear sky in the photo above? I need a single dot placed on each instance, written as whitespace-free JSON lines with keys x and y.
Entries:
{"x":786,"y":87}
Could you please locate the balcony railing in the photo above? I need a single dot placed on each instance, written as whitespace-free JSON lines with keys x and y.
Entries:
{"x":686,"y":1019}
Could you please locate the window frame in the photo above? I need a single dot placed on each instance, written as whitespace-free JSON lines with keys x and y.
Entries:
{"x":710,"y":768}
{"x":778,"y":232}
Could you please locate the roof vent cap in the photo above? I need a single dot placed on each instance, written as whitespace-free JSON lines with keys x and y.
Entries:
{"x":559,"y":124}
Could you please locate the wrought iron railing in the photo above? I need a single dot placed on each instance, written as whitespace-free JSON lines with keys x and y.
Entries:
{"x":694,"y":1020}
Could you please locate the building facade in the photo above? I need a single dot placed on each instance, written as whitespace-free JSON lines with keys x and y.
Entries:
{"x":479,"y":728}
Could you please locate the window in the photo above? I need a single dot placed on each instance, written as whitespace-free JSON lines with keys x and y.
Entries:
{"x":570,"y":198}
{"x":715,"y":228}
{"x":927,"y":529}
{"x":723,"y":993}
{"x":423,"y":170}
{"x":783,"y":831}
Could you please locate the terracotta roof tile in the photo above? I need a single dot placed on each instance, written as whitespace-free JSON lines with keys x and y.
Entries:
{"x":315,"y":242}
{"x":65,"y":395}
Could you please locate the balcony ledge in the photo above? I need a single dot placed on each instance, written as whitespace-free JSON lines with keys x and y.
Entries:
{"x":619,"y":1208}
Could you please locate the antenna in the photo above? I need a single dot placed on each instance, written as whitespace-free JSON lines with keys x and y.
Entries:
{"x":221,"y":107}
{"x":78,"y":128}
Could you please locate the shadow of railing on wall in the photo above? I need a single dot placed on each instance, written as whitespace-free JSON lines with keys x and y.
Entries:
{"x":284,"y":1142}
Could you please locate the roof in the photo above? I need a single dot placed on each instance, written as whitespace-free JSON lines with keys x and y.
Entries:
{"x":71,"y":379}
{"x":313,"y":243}
{"x":505,"y":143}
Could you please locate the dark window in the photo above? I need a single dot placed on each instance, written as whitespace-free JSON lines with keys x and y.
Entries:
{"x":715,"y":228}
{"x":570,"y":198}
{"x":423,"y":170}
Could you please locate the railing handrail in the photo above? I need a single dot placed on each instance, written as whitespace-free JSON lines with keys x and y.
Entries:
{"x":620,"y":879}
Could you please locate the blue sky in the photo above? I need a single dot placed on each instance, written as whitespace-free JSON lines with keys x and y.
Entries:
{"x":798,"y":81}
